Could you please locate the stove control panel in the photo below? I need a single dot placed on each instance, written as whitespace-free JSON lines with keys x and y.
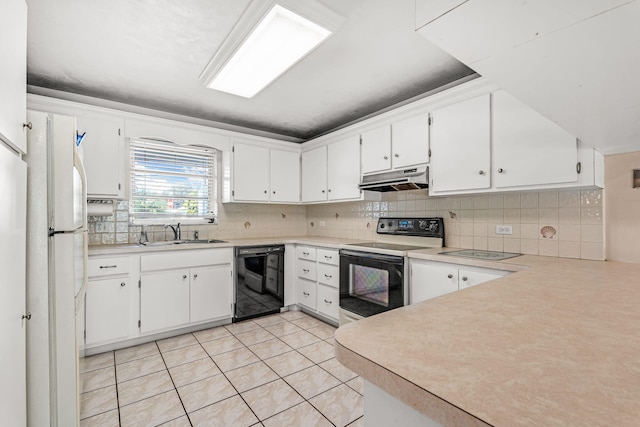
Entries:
{"x":425,"y":227}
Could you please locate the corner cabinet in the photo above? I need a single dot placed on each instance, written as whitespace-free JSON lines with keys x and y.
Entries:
{"x":185,"y":287}
{"x":104,"y":154}
{"x":13,"y":73}
{"x":262,"y":174}
{"x":332,"y":172}
{"x":431,"y":279}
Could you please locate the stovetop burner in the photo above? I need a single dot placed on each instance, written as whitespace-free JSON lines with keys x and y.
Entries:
{"x":472,"y":253}
{"x":389,"y":246}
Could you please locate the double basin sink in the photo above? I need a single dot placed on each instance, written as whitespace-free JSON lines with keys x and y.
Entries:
{"x":181,"y":242}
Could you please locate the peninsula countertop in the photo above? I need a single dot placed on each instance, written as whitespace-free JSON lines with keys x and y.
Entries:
{"x":555,"y":344}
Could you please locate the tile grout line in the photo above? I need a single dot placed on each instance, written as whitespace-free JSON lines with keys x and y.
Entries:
{"x":174,"y":384}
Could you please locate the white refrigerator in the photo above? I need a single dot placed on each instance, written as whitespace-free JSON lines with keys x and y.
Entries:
{"x":57,"y":175}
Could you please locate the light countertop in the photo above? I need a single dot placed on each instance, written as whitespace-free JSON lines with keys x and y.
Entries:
{"x":555,"y":344}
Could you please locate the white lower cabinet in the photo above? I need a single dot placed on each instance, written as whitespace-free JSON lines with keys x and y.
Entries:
{"x":317,"y":281}
{"x":185,"y":287}
{"x":430,"y":279}
{"x":108,"y":300}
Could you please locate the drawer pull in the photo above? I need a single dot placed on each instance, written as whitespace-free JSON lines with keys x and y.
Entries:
{"x":464,"y":278}
{"x":123,"y":284}
{"x":184,"y":276}
{"x":328,"y":276}
{"x":450,"y":276}
{"x":306,"y":294}
{"x":305,"y":253}
{"x":195,"y":276}
{"x":327,"y":301}
{"x":108,"y":266}
{"x":328,"y":257}
{"x":306,"y":270}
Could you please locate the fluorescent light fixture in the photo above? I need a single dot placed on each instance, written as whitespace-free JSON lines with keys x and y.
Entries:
{"x":279,"y":40}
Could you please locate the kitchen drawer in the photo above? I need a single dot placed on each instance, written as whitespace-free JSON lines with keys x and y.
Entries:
{"x":329,"y":274}
{"x":109,"y":266}
{"x":328,"y":256}
{"x":306,"y":269}
{"x":328,"y":302}
{"x":306,"y":291}
{"x":305,"y":252}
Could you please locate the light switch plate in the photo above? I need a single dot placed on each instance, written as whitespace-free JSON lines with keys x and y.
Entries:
{"x":504,"y":229}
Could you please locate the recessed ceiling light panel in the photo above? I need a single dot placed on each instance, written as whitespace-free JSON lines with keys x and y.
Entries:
{"x":265,"y":44}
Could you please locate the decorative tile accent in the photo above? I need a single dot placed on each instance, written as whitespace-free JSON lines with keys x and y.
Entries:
{"x":153,"y":411}
{"x":232,"y":412}
{"x":271,"y":398}
{"x":194,"y":371}
{"x":302,"y":414}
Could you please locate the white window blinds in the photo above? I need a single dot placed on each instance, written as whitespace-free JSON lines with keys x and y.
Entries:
{"x":170,"y":181}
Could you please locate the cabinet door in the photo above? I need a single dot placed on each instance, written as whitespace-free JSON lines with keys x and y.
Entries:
{"x":529,"y":149}
{"x":108,"y":308}
{"x":470,"y":278}
{"x":328,"y":300}
{"x":344,"y":169}
{"x":285,"y":176}
{"x":13,"y":72}
{"x":306,"y":292}
{"x":410,"y":141}
{"x":430,"y":281}
{"x":314,"y":175}
{"x":460,"y":146}
{"x":250,"y":173}
{"x":376,"y":149}
{"x":103,"y":148}
{"x":164,"y":300}
{"x":211,"y":293}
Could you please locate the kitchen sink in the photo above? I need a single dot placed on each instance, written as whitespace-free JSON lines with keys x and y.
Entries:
{"x":181,"y":242}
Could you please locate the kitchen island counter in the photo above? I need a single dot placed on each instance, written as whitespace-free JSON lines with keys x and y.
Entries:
{"x":555,"y":343}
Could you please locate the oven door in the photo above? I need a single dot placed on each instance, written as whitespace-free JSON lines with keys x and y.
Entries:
{"x":371,"y":283}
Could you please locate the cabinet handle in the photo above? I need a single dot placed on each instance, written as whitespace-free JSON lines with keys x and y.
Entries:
{"x":184,"y":277}
{"x":306,"y":270}
{"x":464,"y":278}
{"x":323,"y":191}
{"x":481,"y":173}
{"x":328,"y":276}
{"x":306,"y":294}
{"x":327,"y":301}
{"x":396,"y":155}
{"x":28,"y":315}
{"x":450,"y":276}
{"x":265,"y":191}
{"x":327,"y":257}
{"x":195,"y":276}
{"x":500,"y":170}
{"x":274,"y":192}
{"x":108,"y":266}
{"x":386,"y":157}
{"x":28,"y":126}
{"x":123,"y":284}
{"x":329,"y":190}
{"x":305,"y":253}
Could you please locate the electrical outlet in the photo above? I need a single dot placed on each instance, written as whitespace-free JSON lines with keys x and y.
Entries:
{"x":323,"y":224}
{"x":504,"y":229}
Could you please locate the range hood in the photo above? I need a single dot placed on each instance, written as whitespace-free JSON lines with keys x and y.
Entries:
{"x":397,"y":180}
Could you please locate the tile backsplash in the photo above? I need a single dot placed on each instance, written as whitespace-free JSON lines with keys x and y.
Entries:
{"x":566,"y":223}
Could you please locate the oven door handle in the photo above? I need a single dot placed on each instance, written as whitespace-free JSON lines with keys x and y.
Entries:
{"x":371,"y":255}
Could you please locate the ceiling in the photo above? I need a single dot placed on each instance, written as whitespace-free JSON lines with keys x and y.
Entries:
{"x":150,"y":54}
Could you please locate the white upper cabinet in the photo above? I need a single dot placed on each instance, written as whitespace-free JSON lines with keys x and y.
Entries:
{"x":461,"y":146}
{"x":529,"y":149}
{"x":314,"y":175}
{"x":376,"y":149}
{"x":262,"y":174}
{"x":285,"y":176}
{"x":250,"y":173}
{"x":343,"y":169}
{"x":104,"y":156}
{"x":410,"y":141}
{"x":13,"y":73}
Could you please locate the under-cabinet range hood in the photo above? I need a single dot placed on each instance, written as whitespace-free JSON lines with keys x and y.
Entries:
{"x":397,"y":180}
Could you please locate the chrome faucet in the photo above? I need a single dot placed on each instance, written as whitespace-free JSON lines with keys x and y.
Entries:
{"x":177,"y":234}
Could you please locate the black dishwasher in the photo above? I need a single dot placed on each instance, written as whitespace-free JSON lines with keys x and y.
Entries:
{"x":259,"y":281}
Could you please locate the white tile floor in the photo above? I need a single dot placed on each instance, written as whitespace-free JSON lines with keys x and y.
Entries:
{"x":272,"y":371}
